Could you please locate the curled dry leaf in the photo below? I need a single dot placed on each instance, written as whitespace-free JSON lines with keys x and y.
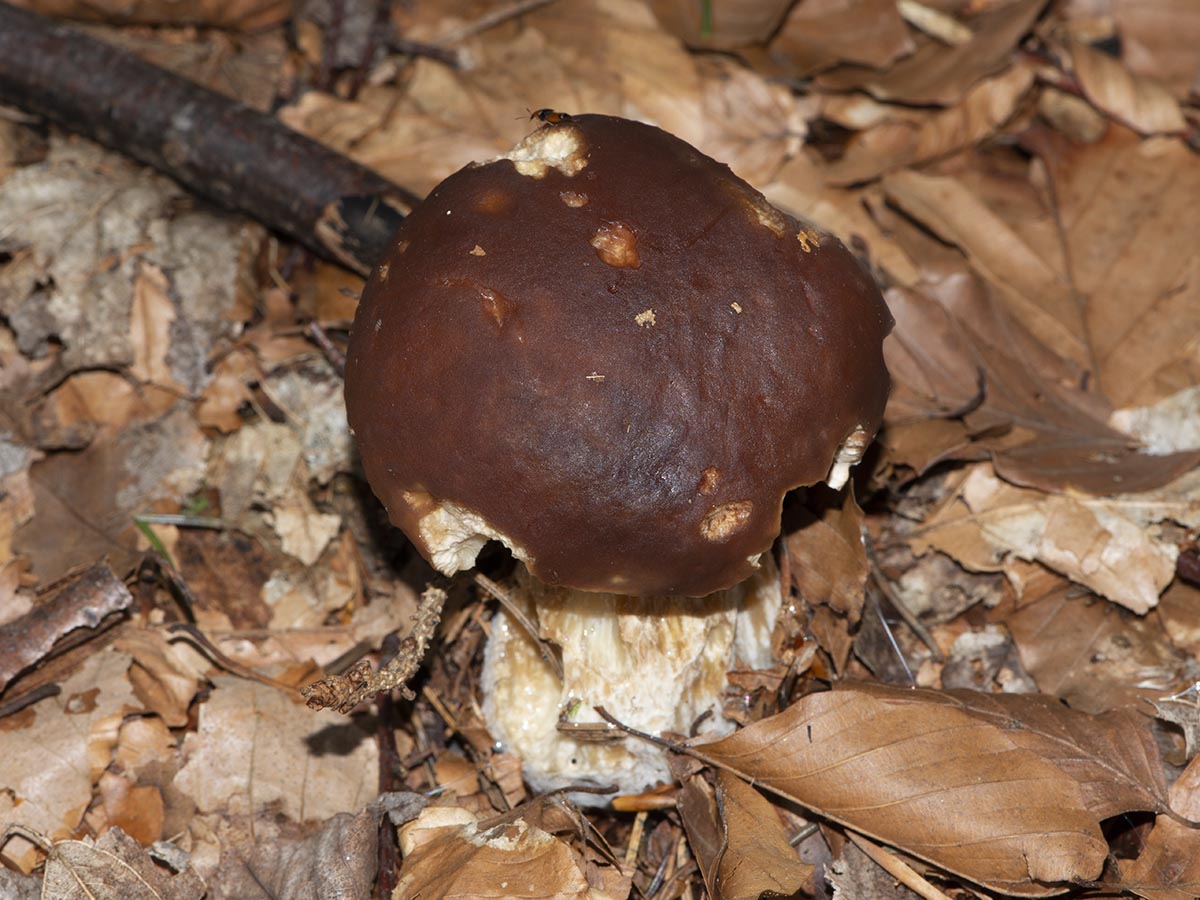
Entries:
{"x":892,"y":145}
{"x":927,"y":778}
{"x":1144,"y":105}
{"x":114,"y":867}
{"x":164,"y":676}
{"x":941,"y":74}
{"x":1168,"y":868}
{"x":739,"y":841}
{"x":447,"y":853}
{"x":821,"y":33}
{"x":1106,"y":544}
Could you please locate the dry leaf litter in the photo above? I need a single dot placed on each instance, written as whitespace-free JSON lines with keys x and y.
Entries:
{"x":986,"y":672}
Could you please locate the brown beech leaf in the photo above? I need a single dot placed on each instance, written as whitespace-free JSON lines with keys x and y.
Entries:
{"x":1168,"y":867}
{"x":1092,"y":654}
{"x":1104,"y":543}
{"x":927,"y":778}
{"x":1129,"y":225}
{"x":1118,"y":296}
{"x":828,"y":561}
{"x":449,"y":854}
{"x":1159,"y":40}
{"x":739,"y":841}
{"x":894,"y":144}
{"x":1144,"y":105}
{"x":1112,"y":756}
{"x":820,"y":33}
{"x":941,"y":74}
{"x":934,"y":372}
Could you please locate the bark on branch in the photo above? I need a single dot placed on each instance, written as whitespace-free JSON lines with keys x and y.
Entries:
{"x":215,"y":147}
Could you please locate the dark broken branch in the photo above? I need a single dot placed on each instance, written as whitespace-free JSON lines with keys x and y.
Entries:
{"x":215,"y":147}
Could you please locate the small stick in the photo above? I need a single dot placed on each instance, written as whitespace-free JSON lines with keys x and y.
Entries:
{"x":196,"y":637}
{"x":84,"y":605}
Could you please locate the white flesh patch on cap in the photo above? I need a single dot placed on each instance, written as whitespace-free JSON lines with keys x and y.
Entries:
{"x":454,"y":536}
{"x":851,"y":451}
{"x":553,"y":147}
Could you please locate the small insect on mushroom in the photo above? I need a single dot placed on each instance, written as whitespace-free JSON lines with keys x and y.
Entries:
{"x":549,"y":116}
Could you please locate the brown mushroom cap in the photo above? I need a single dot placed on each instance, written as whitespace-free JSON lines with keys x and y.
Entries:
{"x":619,"y":360}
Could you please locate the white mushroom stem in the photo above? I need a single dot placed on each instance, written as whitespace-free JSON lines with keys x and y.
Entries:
{"x":658,"y":664}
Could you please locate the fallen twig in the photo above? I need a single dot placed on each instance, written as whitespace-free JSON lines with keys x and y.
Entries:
{"x":235,"y":156}
{"x":87,"y":602}
{"x":344,"y":692}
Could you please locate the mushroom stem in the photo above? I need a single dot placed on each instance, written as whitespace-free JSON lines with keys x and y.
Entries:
{"x":658,"y":664}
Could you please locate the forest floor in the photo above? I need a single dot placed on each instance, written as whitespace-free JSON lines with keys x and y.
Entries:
{"x":1008,"y":612}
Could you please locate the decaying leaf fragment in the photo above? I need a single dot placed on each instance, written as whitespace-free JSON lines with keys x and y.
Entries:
{"x":1106,"y":544}
{"x":448,"y":853}
{"x":929,"y":779}
{"x":115,"y":867}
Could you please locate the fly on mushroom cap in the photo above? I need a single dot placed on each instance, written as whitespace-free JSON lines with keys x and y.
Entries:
{"x":610,"y":353}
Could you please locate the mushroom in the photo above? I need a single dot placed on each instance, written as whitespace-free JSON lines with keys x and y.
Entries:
{"x":612,"y":355}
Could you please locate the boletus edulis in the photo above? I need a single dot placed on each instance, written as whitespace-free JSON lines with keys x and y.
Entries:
{"x":612,"y":355}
